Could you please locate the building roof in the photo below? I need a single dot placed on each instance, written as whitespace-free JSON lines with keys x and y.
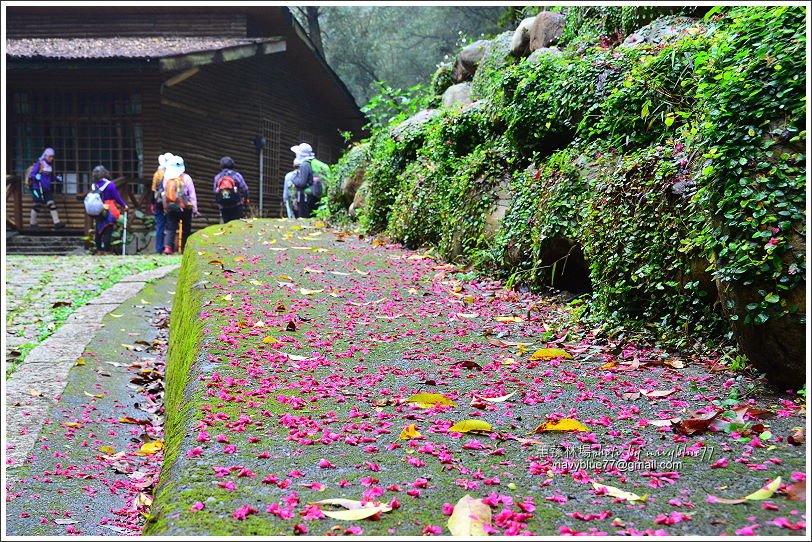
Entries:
{"x":123,"y":47}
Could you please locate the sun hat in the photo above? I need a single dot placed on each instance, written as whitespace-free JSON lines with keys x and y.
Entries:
{"x":174,"y":167}
{"x":164,"y":158}
{"x":303,"y":151}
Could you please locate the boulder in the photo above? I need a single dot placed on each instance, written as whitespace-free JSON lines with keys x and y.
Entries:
{"x":777,"y":347}
{"x":415,"y":122}
{"x":359,"y":201}
{"x":504,"y":197}
{"x":496,"y":58}
{"x":663,"y":30}
{"x":520,"y":44}
{"x":350,"y":184}
{"x":457,"y":94}
{"x":538,"y":53}
{"x":546,"y":29}
{"x":468,"y":59}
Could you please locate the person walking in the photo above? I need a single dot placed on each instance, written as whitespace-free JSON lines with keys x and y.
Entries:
{"x":105,"y":222}
{"x":230,"y":191}
{"x":180,"y":204}
{"x":303,"y":180}
{"x":40,"y":180}
{"x":289,"y":191}
{"x":158,"y":203}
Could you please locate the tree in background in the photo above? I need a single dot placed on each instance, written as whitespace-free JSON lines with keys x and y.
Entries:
{"x":399,"y":46}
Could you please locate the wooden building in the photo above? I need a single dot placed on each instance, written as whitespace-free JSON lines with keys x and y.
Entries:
{"x":121,"y":85}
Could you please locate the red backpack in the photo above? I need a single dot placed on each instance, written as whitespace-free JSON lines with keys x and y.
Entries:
{"x":226,"y":193}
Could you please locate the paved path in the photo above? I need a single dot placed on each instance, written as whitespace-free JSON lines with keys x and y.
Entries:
{"x":38,"y":384}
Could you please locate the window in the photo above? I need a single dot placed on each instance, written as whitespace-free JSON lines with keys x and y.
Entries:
{"x":271,"y":168}
{"x":85,"y":130}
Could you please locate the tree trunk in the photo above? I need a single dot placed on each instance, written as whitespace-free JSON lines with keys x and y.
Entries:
{"x":314,"y":28}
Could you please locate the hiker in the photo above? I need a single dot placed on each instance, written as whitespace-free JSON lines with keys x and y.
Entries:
{"x":230,"y":191}
{"x":106,"y":221}
{"x":289,"y":191}
{"x":157,"y":205}
{"x":303,"y":180}
{"x":180,"y":203}
{"x":40,"y":176}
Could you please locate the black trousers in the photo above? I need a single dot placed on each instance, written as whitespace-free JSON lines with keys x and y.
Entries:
{"x":173,"y":219}
{"x":232,"y":213}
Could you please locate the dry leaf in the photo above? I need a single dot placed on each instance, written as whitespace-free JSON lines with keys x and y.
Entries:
{"x":657,"y":393}
{"x":150,"y":448}
{"x":80,"y":361}
{"x":469,"y":518}
{"x":60,"y":521}
{"x":270,"y":340}
{"x":107,"y":449}
{"x":550,"y":353}
{"x":501,"y":399}
{"x":467,"y":426}
{"x":764,"y":493}
{"x":508,"y":319}
{"x":797,"y":437}
{"x":428,"y":400}
{"x":410,"y":432}
{"x":96,"y":395}
{"x":797,"y":491}
{"x":355,"y":509}
{"x":565,"y":424}
{"x":619,"y":493}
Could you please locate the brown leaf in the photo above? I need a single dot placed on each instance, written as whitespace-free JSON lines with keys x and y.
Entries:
{"x":797,"y":491}
{"x":291,"y":326}
{"x":797,"y":436}
{"x":657,"y":393}
{"x":697,"y":424}
{"x":468,"y":365}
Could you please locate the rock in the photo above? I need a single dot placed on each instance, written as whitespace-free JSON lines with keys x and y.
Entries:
{"x":349,"y":185}
{"x":663,"y":30}
{"x":778,"y":347}
{"x":546,"y":29}
{"x":543,"y":51}
{"x":359,"y":201}
{"x":468,"y":59}
{"x":496,"y":58}
{"x":520,"y":44}
{"x":504,"y":197}
{"x":457,"y":94}
{"x":415,"y":122}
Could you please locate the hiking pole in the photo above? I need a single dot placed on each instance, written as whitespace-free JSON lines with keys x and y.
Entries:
{"x":124,"y":237}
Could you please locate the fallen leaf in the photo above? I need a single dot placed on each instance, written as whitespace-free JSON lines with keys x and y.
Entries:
{"x":764,"y":493}
{"x":550,"y":353}
{"x":468,"y":365}
{"x":60,"y":521}
{"x":501,"y":399}
{"x":468,"y":426}
{"x":410,"y":432}
{"x":428,"y":400}
{"x":270,"y":340}
{"x":312,"y":270}
{"x":797,"y":437}
{"x":797,"y":491}
{"x":469,"y":518}
{"x":107,"y":449}
{"x":608,"y":365}
{"x":150,"y":448}
{"x":657,"y":393}
{"x":96,"y":395}
{"x":70,"y":424}
{"x":508,"y":319}
{"x":355,"y":509}
{"x":228,"y":297}
{"x":565,"y":424}
{"x":619,"y":493}
{"x":305,"y":291}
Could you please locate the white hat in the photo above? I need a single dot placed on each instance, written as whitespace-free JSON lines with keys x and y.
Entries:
{"x":164,"y":158}
{"x":174,"y":167}
{"x":302,"y":148}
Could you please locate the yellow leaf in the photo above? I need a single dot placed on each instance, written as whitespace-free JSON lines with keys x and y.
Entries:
{"x":469,"y":517}
{"x":258,"y":323}
{"x":239,"y":259}
{"x":80,"y":361}
{"x":96,"y":395}
{"x":270,"y":340}
{"x":255,"y":282}
{"x":284,"y":277}
{"x":619,"y":493}
{"x":114,"y":315}
{"x":228,"y":297}
{"x":319,"y":224}
{"x":107,"y":449}
{"x":311,"y":270}
{"x":508,"y":319}
{"x":340,"y":273}
{"x":766,"y":492}
{"x":467,"y":426}
{"x":608,"y":365}
{"x":305,"y":291}
{"x":364,"y":273}
{"x":144,"y":301}
{"x":549,"y":353}
{"x":566,"y":424}
{"x":467,"y":314}
{"x":507,"y":361}
{"x":428,"y":400}
{"x":70,"y":424}
{"x":150,"y":448}
{"x":410,"y":432}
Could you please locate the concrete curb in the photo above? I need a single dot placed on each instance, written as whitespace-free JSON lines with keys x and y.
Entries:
{"x":32,"y":391}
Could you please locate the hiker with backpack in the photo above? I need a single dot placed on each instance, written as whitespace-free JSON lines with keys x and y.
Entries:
{"x":230,"y":191}
{"x":102,"y":204}
{"x":180,"y":203}
{"x":157,"y":203}
{"x":40,"y":176}
{"x":303,"y":180}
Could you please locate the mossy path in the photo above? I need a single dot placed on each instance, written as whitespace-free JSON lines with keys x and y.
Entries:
{"x":295,"y":350}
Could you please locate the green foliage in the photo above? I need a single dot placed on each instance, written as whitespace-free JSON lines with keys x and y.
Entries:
{"x":607,"y":25}
{"x":751,"y":202}
{"x":670,"y":166}
{"x":440,"y":81}
{"x":488,"y":76}
{"x":391,"y":105}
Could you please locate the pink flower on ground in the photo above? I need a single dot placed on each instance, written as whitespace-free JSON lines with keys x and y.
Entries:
{"x":432,"y":530}
{"x":194,"y":452}
{"x":197,"y":506}
{"x":243,"y":512}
